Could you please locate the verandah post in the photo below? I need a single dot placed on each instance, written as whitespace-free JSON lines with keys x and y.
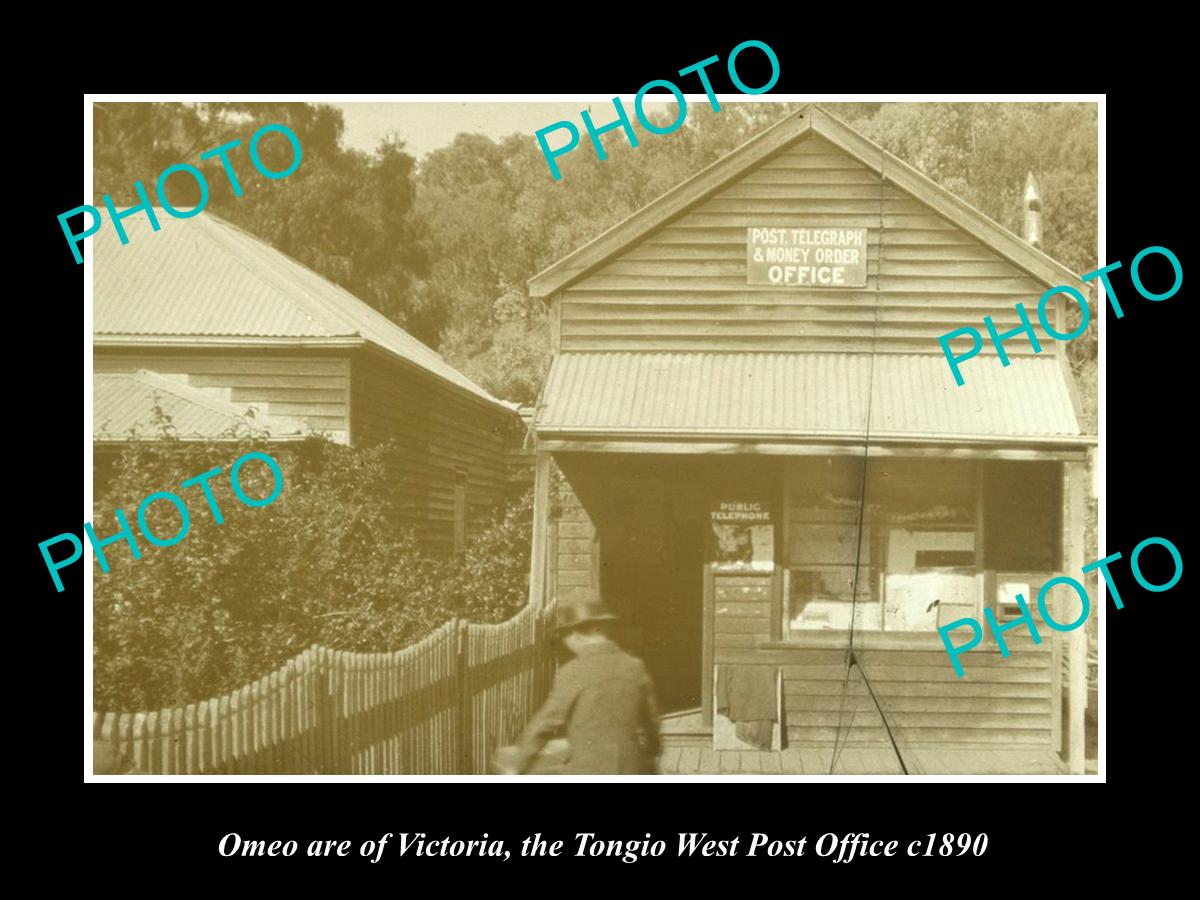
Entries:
{"x":541,"y":514}
{"x":1077,"y":641}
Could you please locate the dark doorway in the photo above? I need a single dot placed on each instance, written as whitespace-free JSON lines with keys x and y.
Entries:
{"x":652,"y":566}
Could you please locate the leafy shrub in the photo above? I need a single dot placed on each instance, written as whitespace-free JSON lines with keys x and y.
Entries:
{"x":325,"y":563}
{"x":490,"y":581}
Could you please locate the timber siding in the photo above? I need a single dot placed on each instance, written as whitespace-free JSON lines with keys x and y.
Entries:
{"x":1005,"y":702}
{"x":368,"y":397}
{"x":999,"y":701}
{"x":574,"y":576}
{"x":309,"y":386}
{"x":439,"y":429}
{"x":683,"y":287}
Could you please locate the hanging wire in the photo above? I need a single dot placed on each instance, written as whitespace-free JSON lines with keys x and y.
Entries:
{"x":852,"y":661}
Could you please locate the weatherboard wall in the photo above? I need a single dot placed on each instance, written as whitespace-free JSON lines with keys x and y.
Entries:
{"x":440,"y":432}
{"x":683,"y":287}
{"x":1001,"y":702}
{"x":443,"y":433}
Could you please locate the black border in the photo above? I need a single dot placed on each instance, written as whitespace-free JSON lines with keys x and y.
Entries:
{"x":176,"y":826}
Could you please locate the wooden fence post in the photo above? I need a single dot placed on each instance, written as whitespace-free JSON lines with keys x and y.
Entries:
{"x":539,"y":660}
{"x":322,"y":695}
{"x":462,"y":680}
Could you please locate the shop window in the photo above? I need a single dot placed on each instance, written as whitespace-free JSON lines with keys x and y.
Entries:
{"x":1022,"y":542}
{"x":1024,"y":505}
{"x":936,"y":540}
{"x":904,"y":561}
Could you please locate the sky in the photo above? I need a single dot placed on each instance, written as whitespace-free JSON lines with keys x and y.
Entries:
{"x":427,"y":126}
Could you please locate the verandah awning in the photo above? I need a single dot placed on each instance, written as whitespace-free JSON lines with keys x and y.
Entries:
{"x":806,"y":397}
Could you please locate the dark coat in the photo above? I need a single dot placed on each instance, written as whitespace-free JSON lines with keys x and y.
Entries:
{"x":602,"y":698}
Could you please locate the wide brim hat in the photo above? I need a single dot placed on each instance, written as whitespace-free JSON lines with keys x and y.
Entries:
{"x":572,"y":615}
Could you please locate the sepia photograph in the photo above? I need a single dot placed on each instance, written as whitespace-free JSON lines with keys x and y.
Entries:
{"x":577,"y":438}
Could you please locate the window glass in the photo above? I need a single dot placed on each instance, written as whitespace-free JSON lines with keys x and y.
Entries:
{"x":925,"y":551}
{"x":1024,"y":506}
{"x":904,"y":561}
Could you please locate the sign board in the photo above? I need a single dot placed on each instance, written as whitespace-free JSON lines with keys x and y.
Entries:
{"x":744,"y":536}
{"x":806,"y":257}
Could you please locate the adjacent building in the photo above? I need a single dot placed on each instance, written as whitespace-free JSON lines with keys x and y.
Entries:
{"x":220,"y":331}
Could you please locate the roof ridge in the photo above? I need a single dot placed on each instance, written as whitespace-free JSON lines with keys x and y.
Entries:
{"x":809,"y":119}
{"x":214,"y":226}
{"x":340,"y":314}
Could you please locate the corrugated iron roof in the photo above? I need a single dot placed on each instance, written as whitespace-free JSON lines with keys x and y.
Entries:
{"x":803,"y":395}
{"x":122,"y":404}
{"x":204,"y":277}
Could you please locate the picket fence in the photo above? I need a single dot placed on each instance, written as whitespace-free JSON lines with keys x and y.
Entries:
{"x":438,"y":707}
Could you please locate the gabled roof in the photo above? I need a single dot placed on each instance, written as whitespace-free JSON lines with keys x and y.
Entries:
{"x":809,"y":118}
{"x":122,"y":410}
{"x":205,"y":282}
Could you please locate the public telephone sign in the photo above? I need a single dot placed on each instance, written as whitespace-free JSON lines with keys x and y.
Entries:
{"x":744,"y":536}
{"x":746,"y":513}
{"x":806,"y":257}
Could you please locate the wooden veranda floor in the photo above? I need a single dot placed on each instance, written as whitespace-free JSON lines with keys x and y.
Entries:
{"x":687,"y":750}
{"x":855,"y":761}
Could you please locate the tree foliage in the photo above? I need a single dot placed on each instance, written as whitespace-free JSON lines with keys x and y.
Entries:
{"x":493,"y":218}
{"x":343,"y":213}
{"x":982,"y":152}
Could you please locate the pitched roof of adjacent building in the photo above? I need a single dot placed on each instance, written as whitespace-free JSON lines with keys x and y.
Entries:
{"x":123,"y":410}
{"x":203,"y":281}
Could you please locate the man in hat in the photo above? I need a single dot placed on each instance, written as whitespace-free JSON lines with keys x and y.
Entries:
{"x":602,"y":698}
